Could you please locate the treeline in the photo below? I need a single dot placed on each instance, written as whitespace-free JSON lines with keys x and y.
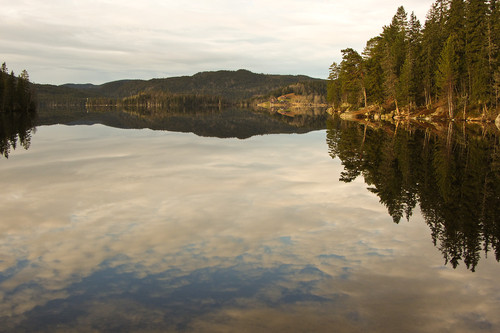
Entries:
{"x":452,"y":61}
{"x":50,"y":96}
{"x":454,"y":176}
{"x":16,"y":93}
{"x":313,"y":91}
{"x":235,"y":86}
{"x":160,"y":100}
{"x":313,"y":88}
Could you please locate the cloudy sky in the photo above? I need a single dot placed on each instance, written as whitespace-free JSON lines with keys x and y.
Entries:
{"x":60,"y":41}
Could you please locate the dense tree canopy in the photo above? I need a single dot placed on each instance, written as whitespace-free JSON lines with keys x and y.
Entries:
{"x":452,"y":61}
{"x":15,"y":92}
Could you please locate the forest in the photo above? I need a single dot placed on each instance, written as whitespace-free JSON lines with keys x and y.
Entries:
{"x":230,"y":87}
{"x":448,"y":67}
{"x":16,"y":93}
{"x":160,"y":100}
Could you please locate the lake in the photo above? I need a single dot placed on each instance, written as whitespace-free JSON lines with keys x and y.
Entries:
{"x":247,"y":222}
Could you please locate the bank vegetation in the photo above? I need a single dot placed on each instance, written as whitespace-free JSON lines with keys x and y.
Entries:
{"x":446,"y":69}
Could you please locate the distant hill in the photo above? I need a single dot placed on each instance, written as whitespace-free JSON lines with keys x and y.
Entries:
{"x":231,"y":85}
{"x":65,"y":95}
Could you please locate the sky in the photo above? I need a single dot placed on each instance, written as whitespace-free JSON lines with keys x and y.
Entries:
{"x":90,"y":41}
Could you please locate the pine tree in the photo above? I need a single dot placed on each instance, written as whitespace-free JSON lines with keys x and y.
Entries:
{"x":15,"y":92}
{"x":410,"y":78}
{"x":432,"y":43}
{"x":395,"y":48}
{"x":455,"y":26}
{"x":9,"y":92}
{"x":476,"y":52}
{"x":333,"y":87}
{"x":455,"y":57}
{"x":3,"y":86}
{"x":447,"y":73}
{"x":374,"y":75}
{"x":352,"y":78}
{"x":494,"y":50}
{"x":23,"y":92}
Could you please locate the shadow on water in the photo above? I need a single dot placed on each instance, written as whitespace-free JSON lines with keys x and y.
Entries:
{"x":452,"y":173}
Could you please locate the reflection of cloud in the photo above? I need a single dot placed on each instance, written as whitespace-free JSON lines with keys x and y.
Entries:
{"x":262,"y":222}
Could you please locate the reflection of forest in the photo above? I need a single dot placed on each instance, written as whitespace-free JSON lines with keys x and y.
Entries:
{"x":212,"y":122}
{"x":15,"y":128}
{"x":453,"y":174}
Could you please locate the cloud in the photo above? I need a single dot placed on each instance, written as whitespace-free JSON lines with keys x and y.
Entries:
{"x":62,"y":41}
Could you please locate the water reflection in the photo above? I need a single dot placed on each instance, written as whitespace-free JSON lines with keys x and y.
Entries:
{"x":207,"y":122}
{"x":137,"y":230}
{"x":453,"y":173}
{"x":16,"y":128}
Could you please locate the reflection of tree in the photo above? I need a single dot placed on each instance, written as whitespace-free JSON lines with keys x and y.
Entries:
{"x":346,"y":143}
{"x":455,"y":177}
{"x":15,"y":129}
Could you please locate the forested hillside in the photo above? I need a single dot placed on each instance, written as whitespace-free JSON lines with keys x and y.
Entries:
{"x":450,"y":65}
{"x":229,"y":86}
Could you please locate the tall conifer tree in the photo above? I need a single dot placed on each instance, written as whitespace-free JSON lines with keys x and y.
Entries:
{"x":494,"y":50}
{"x":410,"y":79}
{"x":455,"y":26}
{"x":476,"y":51}
{"x":333,"y":86}
{"x":374,"y":78}
{"x":432,"y":43}
{"x":447,"y":73}
{"x":352,"y":78}
{"x":395,"y":48}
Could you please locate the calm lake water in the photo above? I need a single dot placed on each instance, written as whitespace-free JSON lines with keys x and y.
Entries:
{"x":344,"y":228}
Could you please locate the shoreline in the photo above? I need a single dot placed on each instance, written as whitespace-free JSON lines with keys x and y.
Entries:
{"x":429,"y":117}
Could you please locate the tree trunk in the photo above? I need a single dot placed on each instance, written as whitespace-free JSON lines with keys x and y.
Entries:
{"x":450,"y":100}
{"x":428,"y":98}
{"x":364,"y":95}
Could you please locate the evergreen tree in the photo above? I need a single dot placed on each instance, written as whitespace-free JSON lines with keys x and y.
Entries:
{"x":494,"y":50}
{"x":455,"y":57}
{"x":15,"y":92}
{"x":2,"y":87}
{"x":352,"y":78}
{"x":410,"y":78}
{"x":432,"y":41}
{"x":9,"y":92}
{"x":23,"y":92}
{"x":455,"y":27}
{"x":395,"y":48}
{"x":476,"y":51}
{"x":333,"y":87}
{"x":374,"y":74}
{"x":447,"y":73}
